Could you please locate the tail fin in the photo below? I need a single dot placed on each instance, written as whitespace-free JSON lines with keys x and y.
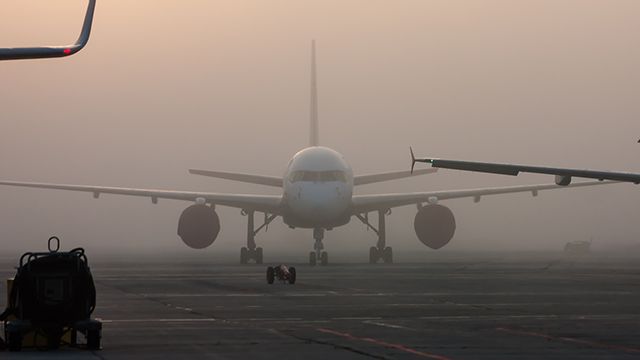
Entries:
{"x":313,"y":113}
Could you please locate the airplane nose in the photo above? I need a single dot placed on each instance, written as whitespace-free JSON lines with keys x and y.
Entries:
{"x":320,"y":202}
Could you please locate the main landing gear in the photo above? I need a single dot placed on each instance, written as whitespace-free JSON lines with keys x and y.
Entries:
{"x":251,"y":252}
{"x":318,"y":255}
{"x":381,"y":251}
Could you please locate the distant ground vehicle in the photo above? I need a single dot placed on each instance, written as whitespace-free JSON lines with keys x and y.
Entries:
{"x":578,"y":247}
{"x":282,"y":273}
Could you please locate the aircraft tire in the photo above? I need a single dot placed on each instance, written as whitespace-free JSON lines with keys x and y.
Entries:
{"x":387,"y":255}
{"x":258,"y":253}
{"x":244,"y":255}
{"x":373,"y":255}
{"x":324,"y":258}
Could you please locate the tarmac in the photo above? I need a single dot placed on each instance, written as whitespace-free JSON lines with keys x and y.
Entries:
{"x":492,"y":306}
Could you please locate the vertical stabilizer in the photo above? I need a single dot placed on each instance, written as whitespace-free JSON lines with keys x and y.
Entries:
{"x":313,"y":111}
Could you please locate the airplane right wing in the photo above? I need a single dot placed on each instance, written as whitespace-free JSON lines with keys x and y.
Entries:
{"x":262,"y":203}
{"x":53,"y":51}
{"x":366,"y":203}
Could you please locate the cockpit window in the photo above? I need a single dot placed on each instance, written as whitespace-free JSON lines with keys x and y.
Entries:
{"x":318,"y":176}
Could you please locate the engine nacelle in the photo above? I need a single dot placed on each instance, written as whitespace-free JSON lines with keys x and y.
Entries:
{"x":435,"y":225}
{"x":563,"y":180}
{"x":198,"y":226}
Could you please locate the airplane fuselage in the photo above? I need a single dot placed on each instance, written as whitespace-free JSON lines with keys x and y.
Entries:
{"x":317,"y":189}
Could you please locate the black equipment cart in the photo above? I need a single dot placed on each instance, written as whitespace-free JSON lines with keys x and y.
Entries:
{"x":51,"y":301}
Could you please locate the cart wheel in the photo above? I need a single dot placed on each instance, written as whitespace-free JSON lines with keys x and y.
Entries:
{"x":270,"y":275}
{"x":292,"y":275}
{"x":15,"y":341}
{"x":93,"y":339}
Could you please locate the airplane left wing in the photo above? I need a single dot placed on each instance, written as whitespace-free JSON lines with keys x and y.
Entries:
{"x":366,"y":203}
{"x":376,"y":178}
{"x":262,"y":203}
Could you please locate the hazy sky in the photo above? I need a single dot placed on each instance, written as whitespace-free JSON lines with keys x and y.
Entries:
{"x":168,"y":85}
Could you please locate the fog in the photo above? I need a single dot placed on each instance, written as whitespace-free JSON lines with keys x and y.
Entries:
{"x":164,"y":86}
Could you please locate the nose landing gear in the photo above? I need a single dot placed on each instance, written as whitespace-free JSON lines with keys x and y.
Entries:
{"x":318,"y":255}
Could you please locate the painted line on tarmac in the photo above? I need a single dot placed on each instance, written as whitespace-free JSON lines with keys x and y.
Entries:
{"x":197,"y":320}
{"x":387,"y":325}
{"x":390,"y":294}
{"x":527,"y":304}
{"x":385,"y":344}
{"x":266,"y":319}
{"x":568,"y":340}
{"x":158,"y":320}
{"x":541,"y":317}
{"x":356,"y":318}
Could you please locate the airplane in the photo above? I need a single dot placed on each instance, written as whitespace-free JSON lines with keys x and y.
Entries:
{"x":41,"y":52}
{"x":317,"y":193}
{"x":563,"y":176}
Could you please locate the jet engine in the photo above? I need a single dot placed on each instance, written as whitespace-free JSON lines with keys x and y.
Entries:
{"x":198,"y":226}
{"x":435,"y":225}
{"x":563,"y":180}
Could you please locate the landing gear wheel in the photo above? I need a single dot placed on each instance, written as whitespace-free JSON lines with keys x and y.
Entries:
{"x":15,"y":341}
{"x":312,"y":258}
{"x":324,"y":258}
{"x":271,"y":275}
{"x":93,"y":339}
{"x":244,"y":255}
{"x":373,"y":255}
{"x":292,"y":275}
{"x":258,"y":253}
{"x":387,"y":255}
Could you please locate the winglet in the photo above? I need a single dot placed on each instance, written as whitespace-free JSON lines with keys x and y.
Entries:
{"x":83,"y":39}
{"x":53,"y":51}
{"x":413,"y":159}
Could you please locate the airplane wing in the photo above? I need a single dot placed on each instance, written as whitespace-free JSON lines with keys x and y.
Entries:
{"x":277,"y":181}
{"x":262,"y":203}
{"x":247,"y":178}
{"x":563,"y":175}
{"x":366,"y":203}
{"x":53,"y":51}
{"x":376,"y":178}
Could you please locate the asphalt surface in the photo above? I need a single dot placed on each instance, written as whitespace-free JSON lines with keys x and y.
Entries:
{"x":491,"y":307}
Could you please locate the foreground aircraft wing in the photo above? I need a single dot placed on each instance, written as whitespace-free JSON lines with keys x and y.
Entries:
{"x":563,"y":175}
{"x":262,"y":203}
{"x":53,"y":51}
{"x":367,"y":203}
{"x":376,"y":178}
{"x":247,"y":178}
